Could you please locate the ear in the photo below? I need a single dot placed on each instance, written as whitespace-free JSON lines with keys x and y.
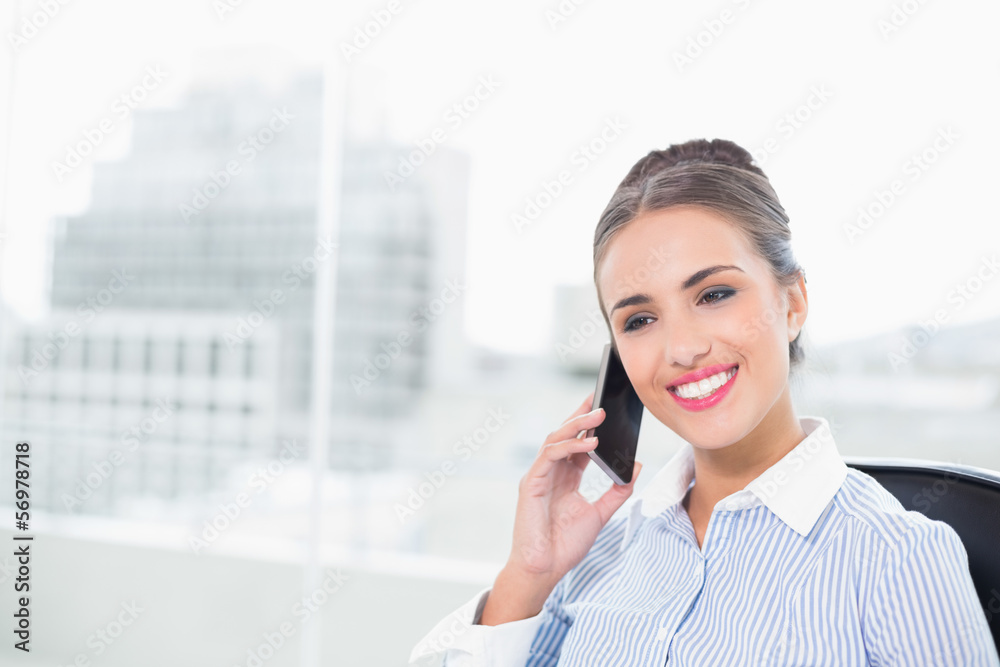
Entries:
{"x":797,"y":299}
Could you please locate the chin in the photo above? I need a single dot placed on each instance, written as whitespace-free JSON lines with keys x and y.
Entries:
{"x":705,"y":430}
{"x":714,"y":438}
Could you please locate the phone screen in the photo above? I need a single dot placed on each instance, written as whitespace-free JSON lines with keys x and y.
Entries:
{"x":618,"y":434}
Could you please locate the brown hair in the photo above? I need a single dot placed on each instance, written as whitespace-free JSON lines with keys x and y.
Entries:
{"x":718,"y":175}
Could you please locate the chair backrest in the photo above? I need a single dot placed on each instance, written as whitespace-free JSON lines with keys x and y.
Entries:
{"x":964,"y":497}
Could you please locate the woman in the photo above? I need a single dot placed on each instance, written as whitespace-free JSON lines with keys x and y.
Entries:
{"x":756,"y":544}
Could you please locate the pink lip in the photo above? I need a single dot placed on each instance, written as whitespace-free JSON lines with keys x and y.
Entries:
{"x":708,"y":401}
{"x":701,"y":374}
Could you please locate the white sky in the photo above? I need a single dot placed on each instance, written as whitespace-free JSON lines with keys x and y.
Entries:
{"x":889,"y":98}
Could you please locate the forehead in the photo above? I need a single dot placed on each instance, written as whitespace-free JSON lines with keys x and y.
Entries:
{"x":663,"y":248}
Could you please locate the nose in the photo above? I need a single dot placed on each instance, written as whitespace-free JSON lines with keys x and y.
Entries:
{"x":684,"y":343}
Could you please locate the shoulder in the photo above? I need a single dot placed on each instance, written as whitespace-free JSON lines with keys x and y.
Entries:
{"x":915,"y":593}
{"x":890,"y":531}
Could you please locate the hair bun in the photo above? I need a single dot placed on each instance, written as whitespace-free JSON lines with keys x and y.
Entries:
{"x":716,"y":151}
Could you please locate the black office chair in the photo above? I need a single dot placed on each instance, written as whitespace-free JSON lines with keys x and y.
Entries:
{"x":964,"y":497}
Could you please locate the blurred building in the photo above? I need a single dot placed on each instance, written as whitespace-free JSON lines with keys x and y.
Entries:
{"x":907,"y":394}
{"x":190,"y":279}
{"x":579,"y":332}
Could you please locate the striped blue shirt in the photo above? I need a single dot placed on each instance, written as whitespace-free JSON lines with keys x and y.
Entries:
{"x":812,"y":563}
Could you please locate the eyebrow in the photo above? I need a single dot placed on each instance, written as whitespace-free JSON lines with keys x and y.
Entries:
{"x":694,"y":279}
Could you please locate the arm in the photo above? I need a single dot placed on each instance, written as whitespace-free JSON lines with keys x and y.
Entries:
{"x":923,"y":608}
{"x":554,"y":528}
{"x":465,"y":643}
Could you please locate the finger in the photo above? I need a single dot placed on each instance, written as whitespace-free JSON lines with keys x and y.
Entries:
{"x":581,"y":459}
{"x":564,"y":449}
{"x":575,"y":426}
{"x":616,"y":496}
{"x":552,"y":454}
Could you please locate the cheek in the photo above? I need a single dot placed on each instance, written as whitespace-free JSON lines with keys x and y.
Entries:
{"x":641,"y":364}
{"x":636,"y":360}
{"x":758,"y":323}
{"x":763,"y":337}
{"x":756,"y":340}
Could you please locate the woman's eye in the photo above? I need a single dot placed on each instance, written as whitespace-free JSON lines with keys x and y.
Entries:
{"x":718,"y":294}
{"x":725,"y":294}
{"x":630,"y":325}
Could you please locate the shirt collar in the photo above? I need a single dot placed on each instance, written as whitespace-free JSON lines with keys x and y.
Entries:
{"x":796,"y":489}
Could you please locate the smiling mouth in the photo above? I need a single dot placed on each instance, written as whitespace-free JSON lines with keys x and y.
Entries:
{"x":703,"y":388}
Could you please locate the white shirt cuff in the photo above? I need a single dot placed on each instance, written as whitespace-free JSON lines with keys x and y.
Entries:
{"x":503,"y":645}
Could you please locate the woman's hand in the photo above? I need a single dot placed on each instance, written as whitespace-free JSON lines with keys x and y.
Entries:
{"x":554,"y":525}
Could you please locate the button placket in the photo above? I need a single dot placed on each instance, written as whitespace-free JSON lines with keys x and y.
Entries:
{"x":689,"y":589}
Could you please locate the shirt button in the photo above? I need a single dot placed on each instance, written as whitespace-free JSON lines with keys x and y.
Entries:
{"x":662,"y":634}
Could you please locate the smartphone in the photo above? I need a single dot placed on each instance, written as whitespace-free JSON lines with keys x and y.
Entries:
{"x":618,"y":434}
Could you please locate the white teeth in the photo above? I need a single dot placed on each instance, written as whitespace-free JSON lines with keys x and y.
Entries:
{"x":705,"y":387}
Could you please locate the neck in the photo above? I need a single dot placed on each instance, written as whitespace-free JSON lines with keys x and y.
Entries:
{"x":722,"y":472}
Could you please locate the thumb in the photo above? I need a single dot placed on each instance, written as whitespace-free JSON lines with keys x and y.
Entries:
{"x":616,"y":496}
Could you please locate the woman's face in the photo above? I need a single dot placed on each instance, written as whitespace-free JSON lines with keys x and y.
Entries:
{"x":674,"y":312}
